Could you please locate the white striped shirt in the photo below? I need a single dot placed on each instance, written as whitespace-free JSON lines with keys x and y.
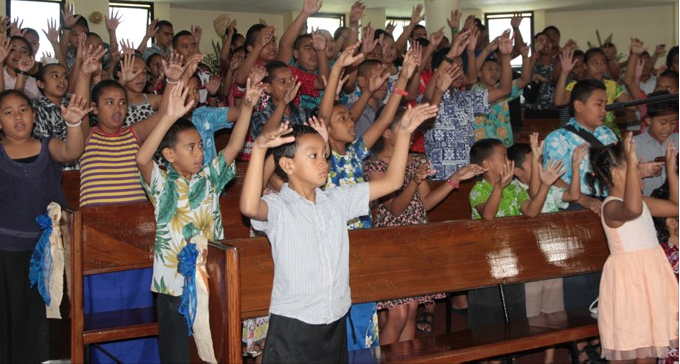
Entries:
{"x":310,"y":247}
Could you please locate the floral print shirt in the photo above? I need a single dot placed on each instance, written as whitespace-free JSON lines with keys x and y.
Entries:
{"x":614,"y":91}
{"x":496,"y":124}
{"x":448,"y":143}
{"x":178,"y":202}
{"x":512,"y":197}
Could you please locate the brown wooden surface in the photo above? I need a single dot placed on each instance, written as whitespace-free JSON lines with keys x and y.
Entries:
{"x":456,"y":206}
{"x":542,"y":126}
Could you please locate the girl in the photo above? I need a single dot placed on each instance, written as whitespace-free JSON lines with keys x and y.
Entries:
{"x":132,"y":74}
{"x":407,"y":206}
{"x":30,"y":171}
{"x":544,"y":69}
{"x":17,"y":65}
{"x":637,"y":313}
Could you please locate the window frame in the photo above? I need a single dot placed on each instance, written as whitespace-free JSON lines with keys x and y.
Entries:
{"x":339,"y":16}
{"x":8,"y":7}
{"x":496,"y":15}
{"x":135,"y":5}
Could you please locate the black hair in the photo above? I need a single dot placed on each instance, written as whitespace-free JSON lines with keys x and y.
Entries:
{"x":288,"y":150}
{"x":669,"y":74}
{"x":82,"y":22}
{"x":300,"y":39}
{"x":31,"y":30}
{"x":366,"y":66}
{"x":251,"y":34}
{"x":119,"y":65}
{"x":551,"y":27}
{"x":148,"y":60}
{"x":45,"y":68}
{"x":379,"y":32}
{"x":170,"y":137}
{"x":17,"y":93}
{"x":518,"y":153}
{"x":582,"y":91}
{"x":424,"y":42}
{"x":669,"y":57}
{"x":26,"y":42}
{"x":662,"y":108}
{"x":163,"y":23}
{"x":439,"y":56}
{"x":662,"y":232}
{"x":180,"y":34}
{"x":338,"y":32}
{"x":99,"y":88}
{"x":479,"y":24}
{"x":602,"y":160}
{"x":608,"y":45}
{"x":592,"y":52}
{"x":418,"y":26}
{"x":93,"y":34}
{"x":482,"y":150}
{"x":271,"y":67}
{"x":579,"y":53}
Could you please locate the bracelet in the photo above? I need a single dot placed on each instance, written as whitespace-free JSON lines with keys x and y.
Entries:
{"x":400,"y":92}
{"x":74,"y":125}
{"x":454,"y":184}
{"x":169,"y":82}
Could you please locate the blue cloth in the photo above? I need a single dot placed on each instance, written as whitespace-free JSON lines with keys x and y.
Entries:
{"x":41,"y":260}
{"x":209,"y":120}
{"x":560,"y":145}
{"x":361,"y":330}
{"x":187,"y":267}
{"x":448,"y":143}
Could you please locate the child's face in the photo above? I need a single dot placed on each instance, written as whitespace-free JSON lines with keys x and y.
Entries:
{"x":309,"y":165}
{"x":281,"y":81}
{"x":138,"y":83}
{"x":73,"y":36}
{"x":592,"y":112}
{"x":389,"y":50}
{"x":497,"y":160}
{"x":672,"y":226}
{"x":341,"y":127}
{"x":374,"y":72}
{"x":306,"y":55}
{"x":55,"y":81}
{"x":239,"y":56}
{"x":523,"y":171}
{"x":597,"y":66}
{"x":547,"y":44}
{"x":33,"y":39}
{"x":419,"y":32}
{"x":156,"y":65}
{"x":490,"y":73}
{"x":666,"y":84}
{"x":18,"y":49}
{"x":662,"y":126}
{"x":111,"y":108}
{"x":164,"y":36}
{"x":94,"y":41}
{"x":186,"y":46}
{"x":186,"y":156}
{"x":580,"y":70}
{"x":16,"y":117}
{"x":554,"y":36}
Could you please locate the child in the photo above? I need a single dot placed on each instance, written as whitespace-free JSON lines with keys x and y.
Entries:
{"x":53,"y":82}
{"x":662,"y":119}
{"x":498,"y":194}
{"x":638,"y":305}
{"x":17,"y":65}
{"x":407,"y":206}
{"x":177,"y":204}
{"x":162,"y":35}
{"x":31,"y":178}
{"x":304,"y":325}
{"x":131,"y":72}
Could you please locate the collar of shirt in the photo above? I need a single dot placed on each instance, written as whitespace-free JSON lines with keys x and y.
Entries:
{"x":575,"y":123}
{"x":290,"y":195}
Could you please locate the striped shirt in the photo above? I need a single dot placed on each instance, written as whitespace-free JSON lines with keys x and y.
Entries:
{"x":108,"y":169}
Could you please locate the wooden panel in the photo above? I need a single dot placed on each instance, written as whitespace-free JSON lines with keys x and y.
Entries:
{"x":444,"y":257}
{"x":455,"y":207}
{"x":70,"y":183}
{"x":120,"y":333}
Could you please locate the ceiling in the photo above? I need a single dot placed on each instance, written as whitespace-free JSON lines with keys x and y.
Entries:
{"x":402,"y":7}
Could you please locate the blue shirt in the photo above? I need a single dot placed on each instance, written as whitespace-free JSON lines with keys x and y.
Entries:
{"x":560,"y":145}
{"x":296,"y":116}
{"x":448,"y":143}
{"x":207,"y":121}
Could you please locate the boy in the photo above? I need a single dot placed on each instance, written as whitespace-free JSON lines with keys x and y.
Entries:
{"x":186,"y":194}
{"x":162,"y":40}
{"x":662,"y":119}
{"x":498,"y":194}
{"x":307,"y":228}
{"x":372,"y":81}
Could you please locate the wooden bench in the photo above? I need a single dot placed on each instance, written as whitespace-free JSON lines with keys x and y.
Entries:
{"x":449,"y":256}
{"x":542,"y":126}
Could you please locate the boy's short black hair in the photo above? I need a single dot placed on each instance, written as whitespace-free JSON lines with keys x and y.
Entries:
{"x":518,"y":153}
{"x":338,"y":32}
{"x":271,"y":67}
{"x":288,"y":150}
{"x":482,"y":150}
{"x":17,"y":93}
{"x":26,"y":42}
{"x":669,"y":74}
{"x":551,"y":27}
{"x":662,"y":108}
{"x":579,"y":53}
{"x":418,"y":26}
{"x":379,"y":32}
{"x":439,"y":56}
{"x":93,"y":34}
{"x":163,"y":23}
{"x":366,"y":66}
{"x":479,"y":24}
{"x":103,"y":85}
{"x":31,"y":30}
{"x":424,"y":42}
{"x":180,"y":34}
{"x":300,"y":39}
{"x":45,"y":68}
{"x":583,"y":89}
{"x":251,"y":34}
{"x":592,"y":52}
{"x":82,"y":22}
{"x":170,"y":138}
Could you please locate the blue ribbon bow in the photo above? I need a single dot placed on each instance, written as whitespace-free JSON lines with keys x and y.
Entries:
{"x":187,"y":267}
{"x":41,"y":259}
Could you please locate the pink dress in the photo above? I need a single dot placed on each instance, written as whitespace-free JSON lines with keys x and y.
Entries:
{"x":638,"y":308}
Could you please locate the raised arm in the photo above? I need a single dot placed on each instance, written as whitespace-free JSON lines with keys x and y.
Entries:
{"x":309,"y":8}
{"x":238,"y":134}
{"x":527,"y":65}
{"x":548,"y":176}
{"x":634,"y":60}
{"x":275,"y":119}
{"x":264,"y":37}
{"x":52,"y":35}
{"x":617,"y":213}
{"x":432,"y":198}
{"x":345,"y":59}
{"x":112,"y":22}
{"x":416,"y":17}
{"x":489,"y":209}
{"x":496,"y":93}
{"x":397,"y":204}
{"x":394,"y":177}
{"x":471,"y":72}
{"x":573,"y":193}
{"x":70,"y":149}
{"x":667,"y":208}
{"x":536,"y":149}
{"x":151,"y":31}
{"x":567,"y":63}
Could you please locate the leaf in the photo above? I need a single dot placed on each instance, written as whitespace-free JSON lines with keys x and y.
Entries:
{"x":197,"y":193}
{"x":167,"y":202}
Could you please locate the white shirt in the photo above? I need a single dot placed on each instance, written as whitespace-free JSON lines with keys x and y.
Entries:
{"x":649,"y":85}
{"x":648,"y":149}
{"x":30,"y":87}
{"x":310,"y":248}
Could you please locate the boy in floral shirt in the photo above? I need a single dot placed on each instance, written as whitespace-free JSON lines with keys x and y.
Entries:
{"x":185,"y":198}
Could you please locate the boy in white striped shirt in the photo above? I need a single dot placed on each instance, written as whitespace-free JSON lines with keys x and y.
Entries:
{"x":307,"y":229}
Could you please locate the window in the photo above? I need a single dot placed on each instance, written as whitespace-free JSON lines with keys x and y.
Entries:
{"x":497,"y":23}
{"x":399,"y":25}
{"x":135,"y":18}
{"x":329,"y":22}
{"x":26,"y":10}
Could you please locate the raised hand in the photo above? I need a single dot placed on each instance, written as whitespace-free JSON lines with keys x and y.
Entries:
{"x":375,"y":83}
{"x":347,"y":57}
{"x":191,"y":66}
{"x":472,"y":41}
{"x":127,"y":72}
{"x":414,"y":116}
{"x":539,"y":44}
{"x":213,"y":85}
{"x":447,"y":74}
{"x":506,"y":174}
{"x":524,"y":50}
{"x":26,"y":63}
{"x":412,"y":60}
{"x":389,"y":28}
{"x":319,"y":41}
{"x":469,"y":22}
{"x":257,"y":74}
{"x":660,"y":50}
{"x":629,"y":149}
{"x":505,"y":46}
{"x":253,"y":92}
{"x":172,"y":68}
{"x":579,"y":153}
{"x":516,"y":20}
{"x":636,"y":46}
{"x":639,"y":69}
{"x":423,"y":171}
{"x":179,"y":103}
{"x":152,"y":29}
{"x":550,"y":174}
{"x":68,"y":15}
{"x":320,"y":126}
{"x":356,"y":12}
{"x":570,"y":44}
{"x":4,"y":49}
{"x":536,"y":146}
{"x":671,"y":160}
{"x":127,"y":47}
{"x":52,"y":33}
{"x":467,"y":172}
{"x":368,"y":41}
{"x":454,"y":19}
{"x":15,"y":27}
{"x":567,"y":60}
{"x":197,"y":32}
{"x":436,"y":37}
{"x":265,"y":36}
{"x":311,"y":7}
{"x":91,"y":59}
{"x":275,"y":138}
{"x":460,"y":43}
{"x":113,"y":20}
{"x":292,"y":92}
{"x":417,"y":14}
{"x":77,"y":108}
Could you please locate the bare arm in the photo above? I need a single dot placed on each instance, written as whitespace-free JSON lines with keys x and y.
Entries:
{"x":310,"y":7}
{"x":73,"y":146}
{"x":616,"y":213}
{"x":238,"y":134}
{"x":497,"y":93}
{"x":667,"y":208}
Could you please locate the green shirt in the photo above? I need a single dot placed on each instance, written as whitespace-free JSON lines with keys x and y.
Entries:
{"x":178,"y":202}
{"x":512,"y":197}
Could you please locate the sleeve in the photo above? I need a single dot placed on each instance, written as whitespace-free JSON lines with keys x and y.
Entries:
{"x":359,"y":148}
{"x":220,"y":173}
{"x":479,"y":195}
{"x":570,"y":86}
{"x":211,"y":119}
{"x":556,"y":147}
{"x":40,"y":128}
{"x":522,"y":194}
{"x":273,"y":202}
{"x":155,"y":188}
{"x":516,"y":90}
{"x":257,"y":121}
{"x":620,"y":90}
{"x":480,"y":100}
{"x":352,"y":200}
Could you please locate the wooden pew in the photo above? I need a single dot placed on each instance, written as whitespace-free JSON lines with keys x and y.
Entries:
{"x":542,"y":126}
{"x":450,"y":256}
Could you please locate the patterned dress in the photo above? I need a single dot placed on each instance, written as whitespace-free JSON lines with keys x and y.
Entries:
{"x":496,"y":124}
{"x":546,"y":90}
{"x":414,"y":214}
